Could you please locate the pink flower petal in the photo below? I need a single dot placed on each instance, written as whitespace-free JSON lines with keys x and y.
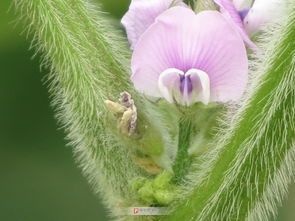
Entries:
{"x":227,"y":7}
{"x":182,"y":40}
{"x":229,"y":10}
{"x":141,"y":14}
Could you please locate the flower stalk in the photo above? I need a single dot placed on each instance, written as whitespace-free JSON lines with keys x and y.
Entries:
{"x":183,"y":160}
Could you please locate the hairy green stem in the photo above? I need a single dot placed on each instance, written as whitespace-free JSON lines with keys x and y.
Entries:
{"x":236,"y":184}
{"x":88,"y":63}
{"x":182,"y":160}
{"x":195,"y":131}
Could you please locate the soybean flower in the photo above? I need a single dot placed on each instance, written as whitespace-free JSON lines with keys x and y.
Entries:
{"x":186,"y":58}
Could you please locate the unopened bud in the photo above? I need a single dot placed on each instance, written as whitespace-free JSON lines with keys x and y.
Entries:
{"x":114,"y":107}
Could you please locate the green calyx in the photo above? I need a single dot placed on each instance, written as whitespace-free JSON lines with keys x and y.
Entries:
{"x":201,"y":5}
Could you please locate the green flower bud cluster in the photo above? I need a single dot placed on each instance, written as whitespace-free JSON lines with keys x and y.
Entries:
{"x":155,"y":192}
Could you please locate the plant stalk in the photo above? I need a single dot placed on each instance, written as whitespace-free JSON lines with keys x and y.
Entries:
{"x":183,"y":160}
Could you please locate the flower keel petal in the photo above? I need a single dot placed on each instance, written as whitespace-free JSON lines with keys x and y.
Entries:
{"x":201,"y":86}
{"x":169,"y":84}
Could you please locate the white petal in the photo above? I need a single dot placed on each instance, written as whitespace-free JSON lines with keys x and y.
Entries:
{"x":263,"y":12}
{"x":169,"y":84}
{"x":201,"y":86}
{"x":242,"y":4}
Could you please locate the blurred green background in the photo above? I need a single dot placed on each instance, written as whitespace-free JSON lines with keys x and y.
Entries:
{"x":39,"y":179}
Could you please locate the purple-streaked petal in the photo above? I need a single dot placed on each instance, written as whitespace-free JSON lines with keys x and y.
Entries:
{"x":232,"y":14}
{"x":183,"y":40}
{"x":227,"y":7}
{"x":141,"y":14}
{"x":169,"y":84}
{"x":263,"y":12}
